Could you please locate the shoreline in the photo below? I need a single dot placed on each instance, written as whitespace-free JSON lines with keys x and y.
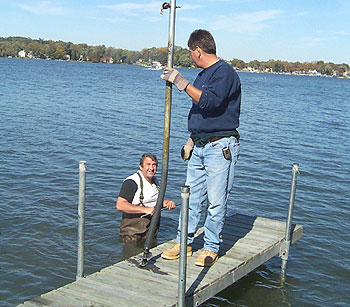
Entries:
{"x":296,"y":73}
{"x":248,"y":70}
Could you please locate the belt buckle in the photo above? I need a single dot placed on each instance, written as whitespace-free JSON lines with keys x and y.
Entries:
{"x":202,"y":143}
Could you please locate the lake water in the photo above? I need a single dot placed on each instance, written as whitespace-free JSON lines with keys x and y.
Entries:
{"x":54,"y":114}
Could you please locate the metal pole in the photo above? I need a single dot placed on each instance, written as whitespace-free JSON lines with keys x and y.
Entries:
{"x":284,"y":253}
{"x":185,"y":195}
{"x":166,"y":138}
{"x":81,"y":219}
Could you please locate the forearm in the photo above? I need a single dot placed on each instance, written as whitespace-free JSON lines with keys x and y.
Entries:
{"x":124,"y":206}
{"x":193,"y":92}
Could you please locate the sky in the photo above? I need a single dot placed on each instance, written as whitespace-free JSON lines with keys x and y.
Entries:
{"x":294,"y":30}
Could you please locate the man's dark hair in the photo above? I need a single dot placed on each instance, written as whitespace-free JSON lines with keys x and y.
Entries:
{"x":203,"y":39}
{"x":148,"y":155}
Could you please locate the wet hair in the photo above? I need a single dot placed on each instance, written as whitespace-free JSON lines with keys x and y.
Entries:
{"x":148,"y":155}
{"x":203,"y":39}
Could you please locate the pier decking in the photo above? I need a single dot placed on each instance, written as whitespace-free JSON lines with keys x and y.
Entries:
{"x":248,"y":243}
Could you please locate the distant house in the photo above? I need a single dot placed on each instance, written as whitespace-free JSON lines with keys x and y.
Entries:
{"x":107,"y":60}
{"x":22,"y":54}
{"x":314,"y":72}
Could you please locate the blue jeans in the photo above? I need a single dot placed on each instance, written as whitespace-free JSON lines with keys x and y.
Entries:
{"x":210,"y":176}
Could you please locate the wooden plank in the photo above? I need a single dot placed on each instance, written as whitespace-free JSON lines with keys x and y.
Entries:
{"x":268,"y":232}
{"x":95,"y":294}
{"x":60,"y":299}
{"x":257,"y":221}
{"x":46,"y":302}
{"x":159,"y":289}
{"x":90,"y":300}
{"x":162,"y":280}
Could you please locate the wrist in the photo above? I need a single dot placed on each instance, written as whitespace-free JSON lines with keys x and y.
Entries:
{"x":181,"y":83}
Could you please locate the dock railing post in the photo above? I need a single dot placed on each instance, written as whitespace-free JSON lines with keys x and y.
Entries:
{"x":284,"y":252}
{"x":185,"y":195}
{"x":81,"y":219}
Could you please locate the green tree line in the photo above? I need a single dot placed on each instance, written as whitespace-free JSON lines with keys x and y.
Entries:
{"x":59,"y":50}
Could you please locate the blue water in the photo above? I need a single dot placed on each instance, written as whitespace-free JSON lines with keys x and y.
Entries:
{"x":54,"y":114}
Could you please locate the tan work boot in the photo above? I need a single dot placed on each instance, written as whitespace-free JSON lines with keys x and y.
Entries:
{"x":174,"y":252}
{"x":206,"y":258}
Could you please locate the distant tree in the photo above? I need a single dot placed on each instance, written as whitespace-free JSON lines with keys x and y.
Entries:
{"x":75,"y":54}
{"x":162,"y":55}
{"x":94,"y":56}
{"x":238,"y":63}
{"x":51,"y":48}
{"x":184,"y":60}
{"x":254,"y":64}
{"x":7,"y":49}
{"x":60,"y":52}
{"x":328,"y":69}
{"x":33,"y":47}
{"x":123,"y":55}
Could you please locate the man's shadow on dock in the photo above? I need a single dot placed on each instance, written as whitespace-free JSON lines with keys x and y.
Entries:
{"x":233,"y":231}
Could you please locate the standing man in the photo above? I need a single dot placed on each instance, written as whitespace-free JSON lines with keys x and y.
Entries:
{"x":137,"y":199}
{"x":213,"y":147}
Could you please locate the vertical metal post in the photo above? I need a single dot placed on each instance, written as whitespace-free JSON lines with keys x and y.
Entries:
{"x":185,"y":195}
{"x":81,"y":219}
{"x":284,"y":253}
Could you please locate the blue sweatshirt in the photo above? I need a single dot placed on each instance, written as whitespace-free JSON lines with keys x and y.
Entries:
{"x":217,"y":112}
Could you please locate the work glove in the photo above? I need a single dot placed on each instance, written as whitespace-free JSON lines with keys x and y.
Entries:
{"x":186,"y":151}
{"x":173,"y":76}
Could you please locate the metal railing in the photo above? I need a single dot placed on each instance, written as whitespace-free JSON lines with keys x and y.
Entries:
{"x":284,"y":252}
{"x":185,"y":195}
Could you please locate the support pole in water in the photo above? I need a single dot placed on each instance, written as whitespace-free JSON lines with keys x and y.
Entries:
{"x":185,"y":195}
{"x":284,"y":252}
{"x":81,"y":219}
{"x":166,"y":135}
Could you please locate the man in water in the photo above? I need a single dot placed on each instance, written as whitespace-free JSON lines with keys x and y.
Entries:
{"x":137,"y":199}
{"x":213,"y":147}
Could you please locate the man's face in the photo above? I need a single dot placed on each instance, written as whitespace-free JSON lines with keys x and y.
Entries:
{"x":149,"y":168}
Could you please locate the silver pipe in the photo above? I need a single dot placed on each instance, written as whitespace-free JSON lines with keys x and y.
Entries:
{"x":171,"y":34}
{"x":285,"y":248}
{"x":81,"y":219}
{"x":185,"y":195}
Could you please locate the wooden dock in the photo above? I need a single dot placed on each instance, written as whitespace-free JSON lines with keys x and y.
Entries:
{"x":248,"y":243}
